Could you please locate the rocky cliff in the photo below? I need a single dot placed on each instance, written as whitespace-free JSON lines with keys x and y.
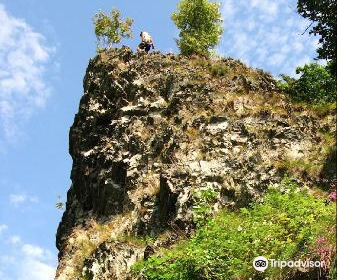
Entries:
{"x":155,"y":130}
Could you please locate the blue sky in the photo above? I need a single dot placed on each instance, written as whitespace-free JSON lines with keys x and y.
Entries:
{"x":44,"y":50}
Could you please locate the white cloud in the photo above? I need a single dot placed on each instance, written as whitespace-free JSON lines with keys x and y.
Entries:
{"x":266,"y":34}
{"x":23,"y":55}
{"x":35,"y":264}
{"x":3,"y":228}
{"x":297,"y":47}
{"x":229,"y":9}
{"x":17,"y":199}
{"x":15,"y":240}
{"x":25,"y":261}
{"x":3,"y":276}
{"x":277,"y":59}
{"x":31,"y":262}
{"x":36,"y":270}
{"x":268,"y":7}
{"x":32,"y":251}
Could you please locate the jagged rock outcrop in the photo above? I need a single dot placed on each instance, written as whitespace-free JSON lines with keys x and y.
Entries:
{"x":154,"y":131}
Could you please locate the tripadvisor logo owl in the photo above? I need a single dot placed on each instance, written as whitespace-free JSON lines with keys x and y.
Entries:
{"x":260,"y":263}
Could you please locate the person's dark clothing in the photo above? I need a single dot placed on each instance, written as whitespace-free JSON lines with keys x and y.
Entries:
{"x":145,"y":46}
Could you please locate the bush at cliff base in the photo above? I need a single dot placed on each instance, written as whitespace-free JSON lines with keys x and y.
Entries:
{"x":288,"y":225}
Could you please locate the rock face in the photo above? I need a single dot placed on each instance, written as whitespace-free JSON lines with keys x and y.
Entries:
{"x":152,"y":134}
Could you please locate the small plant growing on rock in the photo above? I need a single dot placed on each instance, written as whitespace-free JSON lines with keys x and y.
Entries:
{"x":60,"y":205}
{"x":202,"y":209}
{"x":200,"y":25}
{"x":110,"y":29}
{"x":219,"y":70}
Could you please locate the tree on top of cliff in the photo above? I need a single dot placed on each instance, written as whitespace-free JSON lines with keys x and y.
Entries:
{"x":314,"y":85}
{"x":200,"y":25}
{"x":110,"y":29}
{"x":323,"y":15}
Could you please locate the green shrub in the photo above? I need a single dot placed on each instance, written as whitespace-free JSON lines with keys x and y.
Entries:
{"x":216,"y":68}
{"x":111,"y":29}
{"x":219,"y":70}
{"x":315,"y":84}
{"x":287,"y":225}
{"x":202,"y":208}
{"x":200,"y":25}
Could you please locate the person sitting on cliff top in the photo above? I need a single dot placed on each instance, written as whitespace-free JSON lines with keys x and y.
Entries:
{"x":146,"y":43}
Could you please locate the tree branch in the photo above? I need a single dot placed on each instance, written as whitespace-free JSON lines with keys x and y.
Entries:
{"x":307,"y":28}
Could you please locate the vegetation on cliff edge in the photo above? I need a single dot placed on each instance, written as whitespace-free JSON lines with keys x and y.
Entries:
{"x":315,"y":84}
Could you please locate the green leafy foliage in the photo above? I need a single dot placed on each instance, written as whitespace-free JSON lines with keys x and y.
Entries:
{"x":287,"y":225}
{"x":315,"y":84}
{"x":202,"y":209}
{"x":200,"y":25}
{"x":110,"y":29}
{"x":322,"y":14}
